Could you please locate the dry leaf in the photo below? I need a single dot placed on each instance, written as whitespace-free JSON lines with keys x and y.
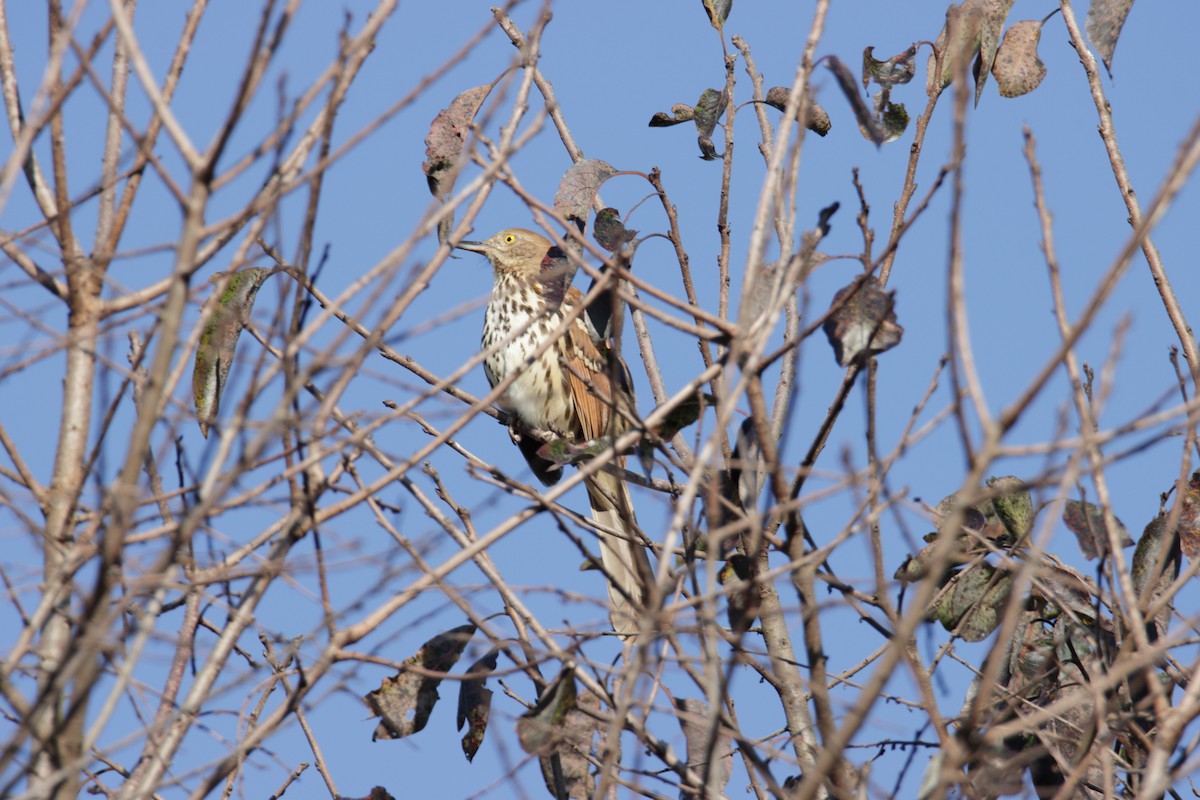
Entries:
{"x":405,"y":700}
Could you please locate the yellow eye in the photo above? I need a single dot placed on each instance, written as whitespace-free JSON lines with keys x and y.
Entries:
{"x":509,"y":239}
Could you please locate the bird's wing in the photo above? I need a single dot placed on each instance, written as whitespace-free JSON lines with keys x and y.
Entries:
{"x":588,"y":379}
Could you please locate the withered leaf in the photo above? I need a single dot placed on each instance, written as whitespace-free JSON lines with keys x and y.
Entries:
{"x":405,"y":700}
{"x":921,"y":565}
{"x":972,"y":29}
{"x":993,"y":14}
{"x":998,"y":770}
{"x":578,"y":187}
{"x":892,"y":120}
{"x":676,"y":420}
{"x":377,"y":793}
{"x":563,"y":451}
{"x":915,"y":568}
{"x":566,"y":770}
{"x":1031,"y":660}
{"x":957,"y":42}
{"x":978,"y":518}
{"x":895,"y":71}
{"x":984,"y":617}
{"x":475,"y":703}
{"x":863,"y":322}
{"x":974,"y":603}
{"x":1064,"y":589}
{"x":1013,"y":505}
{"x":684,"y":414}
{"x":609,"y":232}
{"x":447,"y":134}
{"x":718,"y":12}
{"x":679,"y":113}
{"x":777,"y":97}
{"x":1155,"y":567}
{"x":218,"y":341}
{"x":709,"y":109}
{"x":540,"y":729}
{"x":1086,"y":521}
{"x":1018,"y":69}
{"x":1105,"y":18}
{"x":816,"y":119}
{"x":862,"y":115}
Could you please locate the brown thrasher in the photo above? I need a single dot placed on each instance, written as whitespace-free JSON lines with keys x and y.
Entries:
{"x":573,"y":388}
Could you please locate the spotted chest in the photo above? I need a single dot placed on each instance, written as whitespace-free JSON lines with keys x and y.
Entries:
{"x":515,"y":327}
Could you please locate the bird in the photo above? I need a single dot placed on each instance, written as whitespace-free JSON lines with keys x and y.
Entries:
{"x":576,"y":388}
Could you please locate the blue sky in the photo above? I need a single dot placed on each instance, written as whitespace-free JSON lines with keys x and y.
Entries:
{"x":613,"y":65}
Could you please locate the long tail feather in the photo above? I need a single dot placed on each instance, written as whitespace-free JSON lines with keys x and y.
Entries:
{"x":625,"y":561}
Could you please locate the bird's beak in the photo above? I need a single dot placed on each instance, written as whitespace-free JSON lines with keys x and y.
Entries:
{"x":474,"y":247}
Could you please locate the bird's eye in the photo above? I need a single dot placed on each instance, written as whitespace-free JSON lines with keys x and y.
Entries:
{"x":509,"y":239}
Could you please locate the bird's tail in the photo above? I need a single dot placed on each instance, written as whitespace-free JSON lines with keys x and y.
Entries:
{"x":624,"y":558}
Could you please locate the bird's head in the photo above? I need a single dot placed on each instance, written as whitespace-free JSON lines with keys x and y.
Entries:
{"x":513,"y":250}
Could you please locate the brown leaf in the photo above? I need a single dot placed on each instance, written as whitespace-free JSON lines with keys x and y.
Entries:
{"x":1030,"y":655}
{"x":1086,"y":521}
{"x":218,"y":340}
{"x":972,"y":29}
{"x":709,"y":109}
{"x":993,"y":13}
{"x":684,"y":414}
{"x":609,"y":232}
{"x":1017,"y":69}
{"x":863,"y":116}
{"x":475,"y":703}
{"x":958,"y":42}
{"x":895,"y":71}
{"x":916,"y":567}
{"x":891,"y":120}
{"x":863,"y":322}
{"x":1105,"y":18}
{"x":563,"y":451}
{"x":984,"y":616}
{"x":977,"y":518}
{"x":1155,"y":567}
{"x":1068,"y":736}
{"x":405,"y":700}
{"x":718,"y":12}
{"x":998,"y":770}
{"x":679,"y":113}
{"x":377,"y":793}
{"x":1013,"y":505}
{"x":816,"y":118}
{"x":540,"y":729}
{"x":569,"y":760}
{"x":578,"y":187}
{"x":777,"y":97}
{"x":1064,"y":588}
{"x":974,"y":602}
{"x":447,"y":134}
